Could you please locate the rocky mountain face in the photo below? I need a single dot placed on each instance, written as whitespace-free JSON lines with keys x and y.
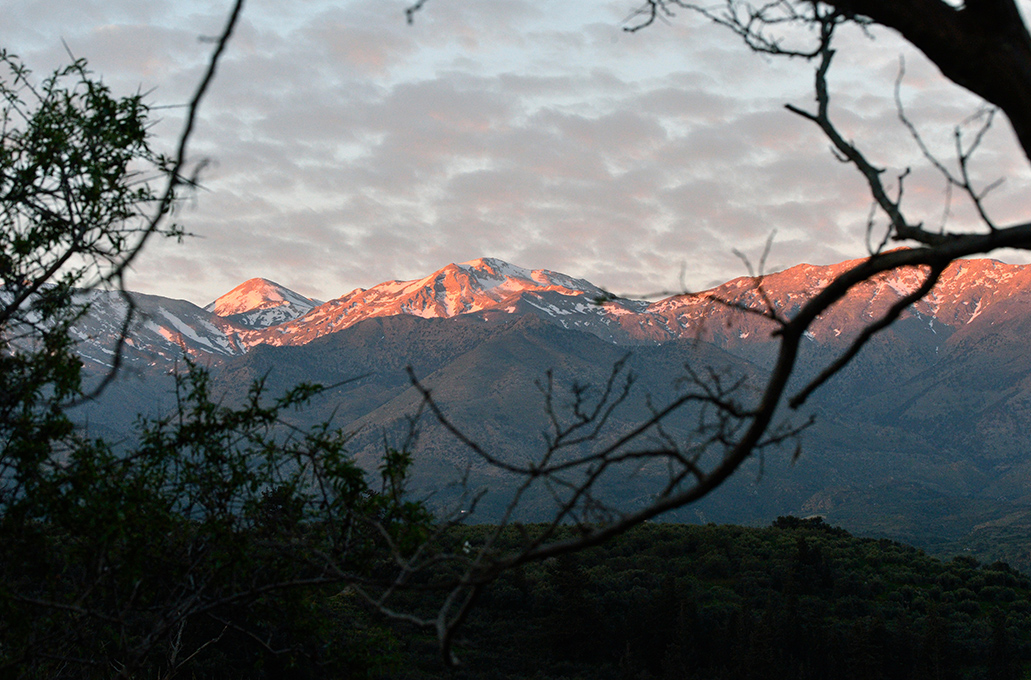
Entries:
{"x":486,"y":286}
{"x":924,"y":437}
{"x":160,"y":331}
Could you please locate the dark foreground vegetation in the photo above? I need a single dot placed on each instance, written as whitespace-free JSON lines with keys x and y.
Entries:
{"x":225,"y":542}
{"x":799,"y":599}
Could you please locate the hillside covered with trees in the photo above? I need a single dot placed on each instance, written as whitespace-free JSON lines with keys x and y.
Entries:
{"x":798,"y":599}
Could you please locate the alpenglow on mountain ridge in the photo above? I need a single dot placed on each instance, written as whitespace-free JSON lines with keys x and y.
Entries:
{"x":936,"y":410}
{"x":262,"y":312}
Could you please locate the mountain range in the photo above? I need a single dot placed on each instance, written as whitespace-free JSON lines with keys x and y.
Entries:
{"x":924,"y":437}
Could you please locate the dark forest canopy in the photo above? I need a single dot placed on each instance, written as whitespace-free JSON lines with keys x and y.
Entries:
{"x":798,"y":599}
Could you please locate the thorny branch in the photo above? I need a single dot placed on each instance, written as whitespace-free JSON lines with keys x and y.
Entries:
{"x":580,"y":453}
{"x":759,"y":27}
{"x":900,"y":226}
{"x":175,"y":180}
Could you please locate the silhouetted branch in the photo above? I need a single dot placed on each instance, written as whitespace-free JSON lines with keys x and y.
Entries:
{"x":864,"y":336}
{"x":736,"y":420}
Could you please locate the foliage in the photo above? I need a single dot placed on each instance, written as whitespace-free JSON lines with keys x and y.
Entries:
{"x":224,"y":524}
{"x":217,"y":530}
{"x":76,"y":163}
{"x":207,"y":546}
{"x":70,"y":211}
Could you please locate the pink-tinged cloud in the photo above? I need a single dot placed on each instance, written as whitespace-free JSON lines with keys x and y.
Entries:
{"x":349,"y":148}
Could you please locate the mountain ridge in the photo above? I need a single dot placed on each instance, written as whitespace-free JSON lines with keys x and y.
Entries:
{"x":923,"y":437}
{"x":491,"y":286}
{"x":971,"y":296}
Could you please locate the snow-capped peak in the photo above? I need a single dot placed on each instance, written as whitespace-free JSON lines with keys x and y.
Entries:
{"x":491,"y":272}
{"x":261,"y":303}
{"x":970,"y":294}
{"x":474,"y":286}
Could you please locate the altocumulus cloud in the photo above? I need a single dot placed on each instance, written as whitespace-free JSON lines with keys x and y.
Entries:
{"x":349,"y":148}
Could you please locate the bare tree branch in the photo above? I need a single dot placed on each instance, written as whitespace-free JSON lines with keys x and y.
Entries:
{"x":732,"y":428}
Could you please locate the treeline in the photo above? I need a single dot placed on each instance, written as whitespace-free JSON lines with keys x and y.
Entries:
{"x":799,"y":599}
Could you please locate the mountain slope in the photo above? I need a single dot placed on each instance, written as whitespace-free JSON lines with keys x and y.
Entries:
{"x":922,"y":437}
{"x":487,"y":376}
{"x":161,"y":331}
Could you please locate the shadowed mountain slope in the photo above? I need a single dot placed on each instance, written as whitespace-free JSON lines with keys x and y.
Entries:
{"x":923,"y":437}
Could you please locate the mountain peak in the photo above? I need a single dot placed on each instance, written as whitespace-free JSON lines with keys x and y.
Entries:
{"x":261,"y":303}
{"x":493,"y":267}
{"x":491,"y":272}
{"x":256,"y":293}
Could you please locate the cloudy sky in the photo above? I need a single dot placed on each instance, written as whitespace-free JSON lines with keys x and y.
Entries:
{"x":347,"y":148}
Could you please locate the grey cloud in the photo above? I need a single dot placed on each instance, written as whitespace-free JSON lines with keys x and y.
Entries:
{"x":351,"y":148}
